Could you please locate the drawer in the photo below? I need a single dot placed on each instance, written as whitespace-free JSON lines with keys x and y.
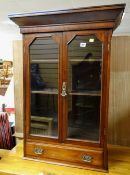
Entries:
{"x":64,"y":154}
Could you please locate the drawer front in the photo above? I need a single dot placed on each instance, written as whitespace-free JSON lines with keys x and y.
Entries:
{"x":63,"y":154}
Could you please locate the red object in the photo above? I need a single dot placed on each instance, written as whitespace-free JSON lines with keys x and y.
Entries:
{"x":10,"y":110}
{"x":6,"y":141}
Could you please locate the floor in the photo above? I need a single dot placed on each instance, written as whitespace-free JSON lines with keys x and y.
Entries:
{"x":12,"y":163}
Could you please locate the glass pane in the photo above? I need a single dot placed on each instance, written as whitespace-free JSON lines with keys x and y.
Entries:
{"x":85,"y":62}
{"x":44,"y":87}
{"x":84,"y":117}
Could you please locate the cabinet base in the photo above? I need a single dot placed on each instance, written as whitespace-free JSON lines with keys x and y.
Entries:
{"x":55,"y":162}
{"x":66,"y":155}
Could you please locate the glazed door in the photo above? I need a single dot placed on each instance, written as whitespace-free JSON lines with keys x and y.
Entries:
{"x":84,"y":65}
{"x":42,"y":101}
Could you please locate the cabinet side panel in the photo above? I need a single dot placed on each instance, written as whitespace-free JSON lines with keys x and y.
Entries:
{"x":105,"y":93}
{"x":18,"y":85}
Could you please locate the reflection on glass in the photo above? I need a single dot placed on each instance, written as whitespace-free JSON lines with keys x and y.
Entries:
{"x":44,"y":114}
{"x":83,"y":117}
{"x":44,"y":87}
{"x":85,"y":62}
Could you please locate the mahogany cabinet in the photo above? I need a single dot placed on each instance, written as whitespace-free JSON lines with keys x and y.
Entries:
{"x":66,"y":84}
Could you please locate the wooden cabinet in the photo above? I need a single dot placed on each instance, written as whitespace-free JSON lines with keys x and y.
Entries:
{"x":66,"y":84}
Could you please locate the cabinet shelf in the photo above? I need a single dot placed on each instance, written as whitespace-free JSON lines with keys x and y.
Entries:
{"x":45,"y":91}
{"x":88,"y":93}
{"x":45,"y":61}
{"x":84,"y":106}
{"x":88,"y":60}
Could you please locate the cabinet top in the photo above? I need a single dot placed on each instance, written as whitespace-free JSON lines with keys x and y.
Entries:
{"x":108,"y":16}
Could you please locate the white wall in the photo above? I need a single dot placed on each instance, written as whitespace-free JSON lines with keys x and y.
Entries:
{"x":6,"y":53}
{"x":6,"y":49}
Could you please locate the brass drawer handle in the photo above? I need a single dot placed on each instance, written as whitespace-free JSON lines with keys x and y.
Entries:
{"x":87,"y":158}
{"x":38,"y":151}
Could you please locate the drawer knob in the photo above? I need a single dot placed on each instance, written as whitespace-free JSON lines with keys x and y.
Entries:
{"x":87,"y":158}
{"x":38,"y":151}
